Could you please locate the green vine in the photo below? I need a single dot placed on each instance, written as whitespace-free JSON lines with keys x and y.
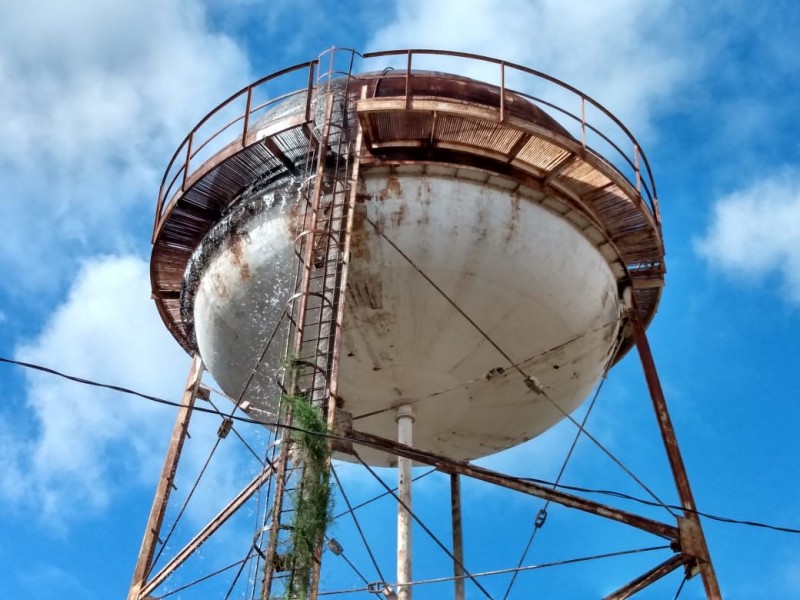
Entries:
{"x":312,"y":497}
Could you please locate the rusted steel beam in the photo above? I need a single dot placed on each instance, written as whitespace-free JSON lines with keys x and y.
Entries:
{"x":448,"y":465}
{"x":653,"y":575}
{"x":206,"y":532}
{"x":521,"y":142}
{"x":278,"y":153}
{"x":145,"y":562}
{"x":165,"y":295}
{"x":699,"y":548}
{"x":559,"y":168}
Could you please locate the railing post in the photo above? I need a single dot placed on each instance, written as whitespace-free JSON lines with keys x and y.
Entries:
{"x":408,"y":80}
{"x":310,"y":89}
{"x":332,"y":69}
{"x":636,"y":167}
{"x":502,"y":91}
{"x":159,"y":208}
{"x":656,"y":211}
{"x":248,"y":104}
{"x":583,"y":120}
{"x":188,"y":160}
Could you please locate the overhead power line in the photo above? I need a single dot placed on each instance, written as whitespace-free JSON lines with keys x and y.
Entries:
{"x":212,"y":411}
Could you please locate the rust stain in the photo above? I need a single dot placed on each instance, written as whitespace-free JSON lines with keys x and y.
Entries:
{"x":424,"y":199}
{"x":219,"y":286}
{"x":380,"y":321}
{"x":513,"y":223}
{"x":393,"y":187}
{"x":481,"y":227}
{"x":295,"y":220}
{"x":367,"y":292}
{"x":398,"y":216}
{"x":237,"y":241}
{"x":359,"y":235}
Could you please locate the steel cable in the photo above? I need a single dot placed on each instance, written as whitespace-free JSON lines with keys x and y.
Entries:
{"x":512,"y":364}
{"x":158,"y":400}
{"x":424,"y":527}
{"x":358,"y":525}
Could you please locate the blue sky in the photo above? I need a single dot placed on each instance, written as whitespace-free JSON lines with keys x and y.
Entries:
{"x":95,"y":96}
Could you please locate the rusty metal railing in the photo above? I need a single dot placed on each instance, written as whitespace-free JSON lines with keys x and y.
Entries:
{"x":191,"y":147}
{"x":178,"y":174}
{"x":642,"y":178}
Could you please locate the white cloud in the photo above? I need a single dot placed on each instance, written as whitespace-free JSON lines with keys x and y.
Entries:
{"x":540,"y":457}
{"x":630,"y":56}
{"x":86,"y":444}
{"x":95,"y":97}
{"x":754,"y":232}
{"x":75,"y":449}
{"x":113,"y":75}
{"x":41,"y":575}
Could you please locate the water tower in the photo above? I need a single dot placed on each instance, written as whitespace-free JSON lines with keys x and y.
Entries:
{"x":390,"y":265}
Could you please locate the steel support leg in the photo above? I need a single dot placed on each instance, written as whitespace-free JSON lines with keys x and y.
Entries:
{"x":145,"y":562}
{"x":693,"y":542}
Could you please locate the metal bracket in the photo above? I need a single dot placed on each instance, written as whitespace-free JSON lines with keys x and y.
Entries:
{"x":225,"y":428}
{"x":342,"y":426}
{"x":692,"y":545}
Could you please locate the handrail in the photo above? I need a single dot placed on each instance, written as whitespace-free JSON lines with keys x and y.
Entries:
{"x":538,"y":74}
{"x":192,"y":144}
{"x":584,"y":126}
{"x":187,"y":141}
{"x":246,"y":116}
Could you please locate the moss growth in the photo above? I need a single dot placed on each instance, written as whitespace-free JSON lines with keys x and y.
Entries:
{"x":312,"y":498}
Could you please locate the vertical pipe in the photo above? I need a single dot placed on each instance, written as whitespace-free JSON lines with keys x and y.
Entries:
{"x":458,"y":538}
{"x":405,"y":423}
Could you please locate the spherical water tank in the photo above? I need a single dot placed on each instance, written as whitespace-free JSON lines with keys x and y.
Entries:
{"x":484,"y":288}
